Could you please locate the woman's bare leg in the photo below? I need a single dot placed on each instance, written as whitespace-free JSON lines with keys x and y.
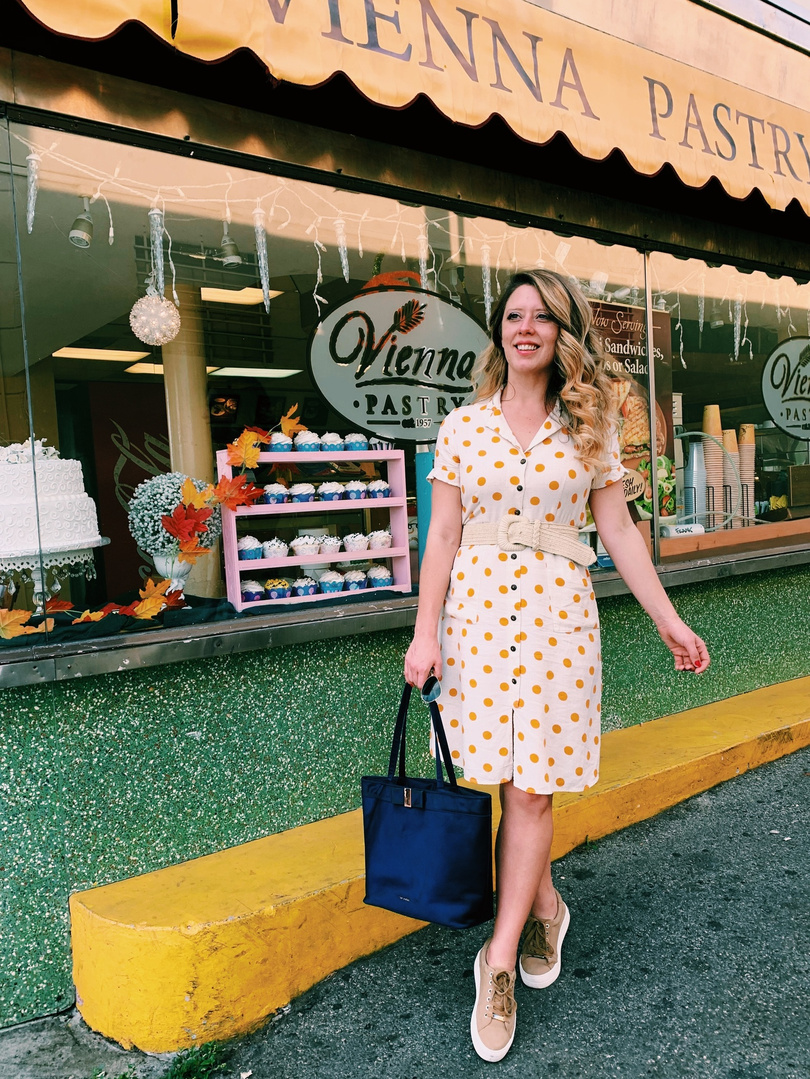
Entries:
{"x":523,"y":858}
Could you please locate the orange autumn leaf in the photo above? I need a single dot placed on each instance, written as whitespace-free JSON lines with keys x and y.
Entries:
{"x":236,"y":492}
{"x":190,"y":496}
{"x":190,"y":550}
{"x":90,"y":616}
{"x":150,"y":607}
{"x":290,"y":423}
{"x":52,"y":606}
{"x":245,"y":451}
{"x":12,"y":622}
{"x":154,"y":589}
{"x":261,"y":435}
{"x":44,"y":627}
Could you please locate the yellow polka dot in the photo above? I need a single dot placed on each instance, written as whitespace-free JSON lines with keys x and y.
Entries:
{"x":487,"y":572}
{"x":450,"y":662}
{"x":572,"y":473}
{"x":487,"y":636}
{"x":538,"y":589}
{"x":569,"y":750}
{"x":566,"y":662}
{"x":552,"y":641}
{"x":551,"y":762}
{"x":533,"y":758}
{"x":521,"y":736}
{"x":559,"y":582}
{"x":531,"y":790}
{"x":535,"y":723}
{"x":503,"y":751}
{"x":504,"y":686}
{"x":560,"y":782}
{"x":579,"y":771}
{"x":455,"y":754}
{"x":453,"y":722}
{"x":549,"y":674}
{"x":559,"y":453}
{"x":465,"y":419}
{"x":481,"y":481}
{"x":498,"y":464}
{"x":488,"y":702}
{"x":503,"y":556}
{"x":554,"y":486}
{"x":504,"y":653}
{"x":487,"y":669}
{"x":563,"y":695}
{"x":536,"y":689}
{"x":472,"y":749}
{"x":538,"y":655}
{"x":487,"y":767}
{"x":496,"y":496}
{"x":487,"y":734}
{"x":539,"y":468}
{"x":504,"y":719}
{"x":549,"y":516}
{"x":503,"y":588}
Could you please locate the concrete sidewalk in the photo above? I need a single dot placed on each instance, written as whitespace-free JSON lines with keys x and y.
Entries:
{"x":688,"y":956}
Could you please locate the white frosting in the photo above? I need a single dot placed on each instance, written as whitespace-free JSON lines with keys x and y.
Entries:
{"x":67,"y":515}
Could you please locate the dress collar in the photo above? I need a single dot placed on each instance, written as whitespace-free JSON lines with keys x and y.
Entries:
{"x":495,"y":420}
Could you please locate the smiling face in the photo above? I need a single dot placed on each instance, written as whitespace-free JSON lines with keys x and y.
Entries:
{"x":529,"y":333}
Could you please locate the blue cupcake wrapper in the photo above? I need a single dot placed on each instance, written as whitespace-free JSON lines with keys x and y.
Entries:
{"x":250,"y":553}
{"x":252,"y":597}
{"x":355,"y":495}
{"x":303,"y":498}
{"x":307,"y":590}
{"x":277,"y":593}
{"x":355,"y":586}
{"x":280,"y":449}
{"x":332,"y":497}
{"x":273,"y":500}
{"x":379,"y":494}
{"x":331,"y":587}
{"x":357,"y":445}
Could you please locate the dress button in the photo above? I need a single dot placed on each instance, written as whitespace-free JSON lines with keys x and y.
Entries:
{"x":511,"y":648}
{"x":520,"y":487}
{"x":513,"y":587}
{"x":517,"y":512}
{"x":514,"y":681}
{"x":513,"y":617}
{"x":523,"y":460}
{"x":513,"y":556}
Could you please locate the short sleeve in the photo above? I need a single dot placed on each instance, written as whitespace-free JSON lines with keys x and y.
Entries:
{"x":446,"y":461}
{"x":613,"y":469}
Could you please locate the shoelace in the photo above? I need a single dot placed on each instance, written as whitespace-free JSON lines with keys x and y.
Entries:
{"x":503,"y":997}
{"x":536,"y":942}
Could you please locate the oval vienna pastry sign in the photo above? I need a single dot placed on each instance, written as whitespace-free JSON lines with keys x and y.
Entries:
{"x":786,"y":386}
{"x":396,"y":361}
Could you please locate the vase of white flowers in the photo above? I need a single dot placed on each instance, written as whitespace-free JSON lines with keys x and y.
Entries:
{"x":167,"y":525}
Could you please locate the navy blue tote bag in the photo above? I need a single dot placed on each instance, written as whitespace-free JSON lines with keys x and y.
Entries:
{"x":428,"y":841}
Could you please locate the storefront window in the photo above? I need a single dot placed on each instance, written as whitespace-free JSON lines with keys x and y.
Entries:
{"x":300,"y":306}
{"x":740,"y":408}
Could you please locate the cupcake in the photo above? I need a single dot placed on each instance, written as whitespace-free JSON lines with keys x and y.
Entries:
{"x":276,"y":588}
{"x":280,"y":443}
{"x":379,"y":489}
{"x":355,"y":441}
{"x":274,"y":548}
{"x":331,"y":581}
{"x":356,"y":489}
{"x":304,"y":586}
{"x":275,"y":493}
{"x":332,"y":442}
{"x":252,"y":591}
{"x":307,"y":442}
{"x":355,"y":541}
{"x":302,"y":492}
{"x":249,"y":547}
{"x":305,"y":544}
{"x":331,"y":492}
{"x":379,"y":577}
{"x":330,"y":544}
{"x":354,"y":580}
{"x":379,"y":539}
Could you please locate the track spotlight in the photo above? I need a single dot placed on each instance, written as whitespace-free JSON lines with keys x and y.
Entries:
{"x":228,"y":249}
{"x":81,"y":235}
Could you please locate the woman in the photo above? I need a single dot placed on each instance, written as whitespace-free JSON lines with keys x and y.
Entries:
{"x":507,"y":617}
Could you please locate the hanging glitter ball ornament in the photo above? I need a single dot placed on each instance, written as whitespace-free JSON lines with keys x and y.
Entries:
{"x":154,"y":319}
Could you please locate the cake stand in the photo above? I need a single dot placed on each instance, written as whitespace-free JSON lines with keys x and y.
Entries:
{"x":36,"y":564}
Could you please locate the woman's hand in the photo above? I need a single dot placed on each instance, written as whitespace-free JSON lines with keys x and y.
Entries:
{"x":423,"y":656}
{"x":689,"y":650}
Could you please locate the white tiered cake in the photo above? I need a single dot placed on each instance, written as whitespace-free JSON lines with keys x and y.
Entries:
{"x":67,"y":514}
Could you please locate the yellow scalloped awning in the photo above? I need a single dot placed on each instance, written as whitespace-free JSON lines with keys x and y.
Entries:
{"x":539,"y":71}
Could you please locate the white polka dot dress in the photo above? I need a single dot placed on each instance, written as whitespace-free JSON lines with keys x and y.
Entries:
{"x":522,"y":678}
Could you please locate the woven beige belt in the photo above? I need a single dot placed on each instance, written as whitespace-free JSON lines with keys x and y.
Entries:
{"x":513,"y":533}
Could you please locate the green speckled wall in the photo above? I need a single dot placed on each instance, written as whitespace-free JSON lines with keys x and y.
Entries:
{"x":107,"y":777}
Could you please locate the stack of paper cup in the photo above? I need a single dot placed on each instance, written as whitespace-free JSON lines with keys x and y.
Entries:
{"x":713,"y":460}
{"x":746,"y":440}
{"x":732,"y":491}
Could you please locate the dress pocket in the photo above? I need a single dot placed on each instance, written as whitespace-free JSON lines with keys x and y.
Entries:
{"x":459,"y":611}
{"x":574,"y":607}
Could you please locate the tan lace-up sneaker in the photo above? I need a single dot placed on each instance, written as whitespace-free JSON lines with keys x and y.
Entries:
{"x":541,"y":954}
{"x":492,"y":1025}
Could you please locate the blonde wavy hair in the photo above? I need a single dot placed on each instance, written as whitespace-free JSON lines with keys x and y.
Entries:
{"x":579,"y":379}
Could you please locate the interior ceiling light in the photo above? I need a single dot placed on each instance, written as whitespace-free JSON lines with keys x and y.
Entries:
{"x":247,"y":296}
{"x":81,"y":235}
{"x":152,"y":369}
{"x":99,"y":354}
{"x":255,"y":372}
{"x":228,"y":249}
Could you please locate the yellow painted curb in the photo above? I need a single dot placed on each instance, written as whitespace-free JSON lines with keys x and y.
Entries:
{"x":210,"y":948}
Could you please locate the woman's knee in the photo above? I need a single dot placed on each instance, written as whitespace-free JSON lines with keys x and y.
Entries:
{"x":520,"y":802}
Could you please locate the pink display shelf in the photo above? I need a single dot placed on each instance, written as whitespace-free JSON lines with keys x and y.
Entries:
{"x":397,"y":554}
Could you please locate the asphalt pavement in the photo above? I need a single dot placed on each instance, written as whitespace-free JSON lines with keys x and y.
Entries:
{"x":688,"y":956}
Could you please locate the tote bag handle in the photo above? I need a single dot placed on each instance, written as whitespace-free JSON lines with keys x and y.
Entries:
{"x":399,"y":740}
